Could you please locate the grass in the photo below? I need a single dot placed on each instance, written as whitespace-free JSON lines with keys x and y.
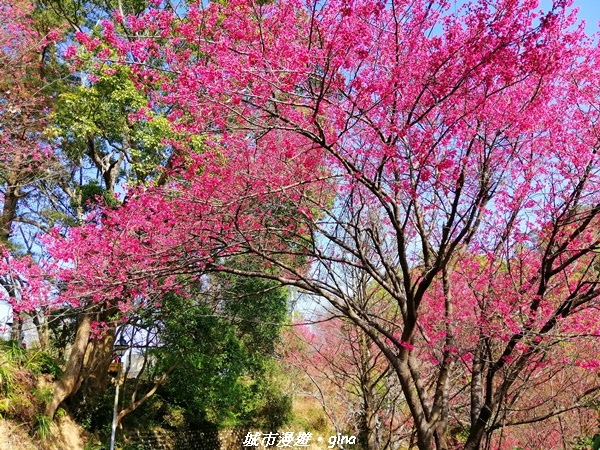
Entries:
{"x":7,"y":379}
{"x":25,"y":388}
{"x":43,"y":425}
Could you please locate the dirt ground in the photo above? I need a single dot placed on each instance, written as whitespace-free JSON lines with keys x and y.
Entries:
{"x":66,"y":436}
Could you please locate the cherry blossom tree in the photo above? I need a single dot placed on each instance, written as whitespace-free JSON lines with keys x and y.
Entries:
{"x":352,"y":381}
{"x":448,"y":154}
{"x":27,"y":161}
{"x":52,"y":125}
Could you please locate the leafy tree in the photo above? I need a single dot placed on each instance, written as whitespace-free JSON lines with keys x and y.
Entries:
{"x":45,"y":149}
{"x":30,"y":168}
{"x":95,"y":146}
{"x":218,"y":353}
{"x":48,"y":159}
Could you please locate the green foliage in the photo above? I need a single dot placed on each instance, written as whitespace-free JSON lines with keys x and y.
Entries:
{"x":587,"y":443}
{"x":222,"y":345}
{"x":83,"y":14}
{"x":256,"y":307}
{"x":212,"y":356}
{"x":43,"y":426}
{"x":46,"y":364}
{"x":175,"y":417}
{"x":24,"y":388}
{"x":135,"y":446}
{"x":95,"y":416}
{"x":35,"y":360}
{"x":91,"y":194}
{"x":309,"y":416}
{"x":94,"y":446}
{"x":276,"y":410}
{"x":13,"y":351}
{"x":43,"y":394}
{"x":6,"y":377}
{"x":95,"y":118}
{"x":596,"y":442}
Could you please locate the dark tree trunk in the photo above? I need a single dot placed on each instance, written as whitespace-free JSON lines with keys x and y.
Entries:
{"x":70,"y":381}
{"x":98,"y":357}
{"x":9,"y":212}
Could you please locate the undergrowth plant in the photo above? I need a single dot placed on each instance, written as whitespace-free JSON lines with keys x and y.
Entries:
{"x":24,"y":389}
{"x":43,"y":426}
{"x":6,"y":376}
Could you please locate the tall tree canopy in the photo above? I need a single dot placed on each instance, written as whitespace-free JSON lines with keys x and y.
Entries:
{"x":448,"y":155}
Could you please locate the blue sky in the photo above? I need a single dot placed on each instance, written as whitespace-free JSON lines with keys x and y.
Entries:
{"x":589,"y":10}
